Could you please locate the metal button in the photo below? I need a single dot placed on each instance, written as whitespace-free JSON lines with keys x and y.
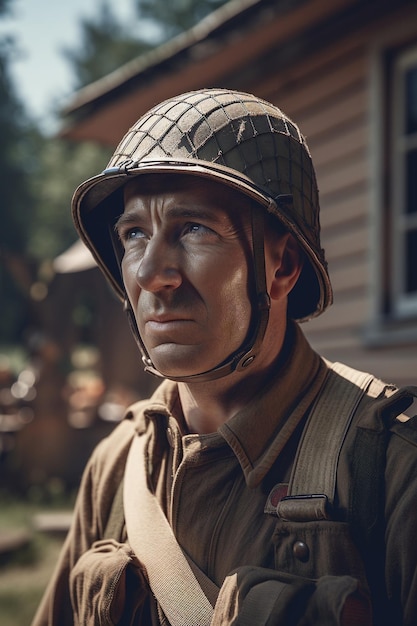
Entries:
{"x":248,"y":361}
{"x":301,"y":551}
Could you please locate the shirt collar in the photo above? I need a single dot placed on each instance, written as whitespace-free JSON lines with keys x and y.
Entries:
{"x":259,"y":432}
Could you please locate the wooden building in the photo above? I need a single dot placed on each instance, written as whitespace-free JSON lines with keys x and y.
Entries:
{"x":346,"y":72}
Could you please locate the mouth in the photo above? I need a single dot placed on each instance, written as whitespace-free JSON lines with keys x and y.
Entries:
{"x":156,"y":324}
{"x":166,"y":318}
{"x":167,"y":326}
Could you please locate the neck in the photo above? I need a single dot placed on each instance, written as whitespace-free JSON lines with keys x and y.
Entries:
{"x":206,"y":406}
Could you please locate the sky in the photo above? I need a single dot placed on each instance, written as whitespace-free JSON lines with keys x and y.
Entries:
{"x":41,"y":28}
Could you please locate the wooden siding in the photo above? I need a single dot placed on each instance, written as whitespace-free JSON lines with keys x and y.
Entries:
{"x":328,"y":93}
{"x":328,"y":96}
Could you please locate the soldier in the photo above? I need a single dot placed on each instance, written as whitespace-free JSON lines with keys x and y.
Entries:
{"x":260,"y":483}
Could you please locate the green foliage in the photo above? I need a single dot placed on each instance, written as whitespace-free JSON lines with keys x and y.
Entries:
{"x":16,"y":201}
{"x":105,"y":45}
{"x":176,"y":17}
{"x":38,"y":175}
{"x":15,"y":154}
{"x":4,"y":6}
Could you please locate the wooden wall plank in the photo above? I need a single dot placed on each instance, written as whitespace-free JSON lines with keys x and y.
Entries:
{"x":352,"y":276}
{"x":339,"y":209}
{"x":328,"y":95}
{"x":347,"y":243}
{"x":351,"y":139}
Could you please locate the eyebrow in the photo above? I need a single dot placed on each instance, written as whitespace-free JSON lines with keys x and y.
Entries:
{"x":125,"y":219}
{"x":131,"y":217}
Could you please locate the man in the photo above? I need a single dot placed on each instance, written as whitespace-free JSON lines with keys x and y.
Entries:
{"x":206,"y":223}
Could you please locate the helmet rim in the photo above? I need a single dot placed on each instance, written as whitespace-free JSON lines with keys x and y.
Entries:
{"x":96,"y":191}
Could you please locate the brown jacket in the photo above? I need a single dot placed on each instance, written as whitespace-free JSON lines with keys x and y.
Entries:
{"x":213,"y":489}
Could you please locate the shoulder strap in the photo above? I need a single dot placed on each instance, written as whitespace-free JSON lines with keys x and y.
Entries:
{"x":313,"y":479}
{"x":171,"y":578}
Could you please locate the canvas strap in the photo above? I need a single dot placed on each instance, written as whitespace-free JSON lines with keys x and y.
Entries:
{"x":313,"y":479}
{"x":171,"y":578}
{"x":177,"y":586}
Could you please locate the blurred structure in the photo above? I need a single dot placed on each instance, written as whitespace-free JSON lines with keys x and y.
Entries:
{"x":346,"y":71}
{"x":82,"y":371}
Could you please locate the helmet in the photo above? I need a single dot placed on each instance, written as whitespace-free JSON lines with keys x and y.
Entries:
{"x":233,"y":137}
{"x":230,"y":137}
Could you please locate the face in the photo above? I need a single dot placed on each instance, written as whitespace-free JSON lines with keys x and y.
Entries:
{"x":187,"y":254}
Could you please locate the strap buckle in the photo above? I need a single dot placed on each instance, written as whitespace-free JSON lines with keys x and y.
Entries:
{"x":304,"y":508}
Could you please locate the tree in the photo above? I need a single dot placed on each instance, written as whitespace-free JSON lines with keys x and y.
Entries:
{"x":106,"y":44}
{"x":173,"y":18}
{"x":16,"y":206}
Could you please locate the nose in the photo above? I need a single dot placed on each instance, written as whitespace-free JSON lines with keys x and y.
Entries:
{"x":158,"y":268}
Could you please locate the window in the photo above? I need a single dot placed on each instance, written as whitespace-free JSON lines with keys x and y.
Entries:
{"x":403,"y":157}
{"x":393,"y":191}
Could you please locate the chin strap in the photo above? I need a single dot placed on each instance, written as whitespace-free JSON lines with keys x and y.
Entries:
{"x":246,"y":355}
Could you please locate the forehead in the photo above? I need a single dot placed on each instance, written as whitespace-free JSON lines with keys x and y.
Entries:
{"x":186,"y":189}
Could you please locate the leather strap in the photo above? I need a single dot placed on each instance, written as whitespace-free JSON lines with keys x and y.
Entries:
{"x":171,"y":578}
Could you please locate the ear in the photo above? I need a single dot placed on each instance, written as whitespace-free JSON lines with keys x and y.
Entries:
{"x":287,"y":263}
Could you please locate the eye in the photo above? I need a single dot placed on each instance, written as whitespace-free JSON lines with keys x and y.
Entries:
{"x":195,"y":228}
{"x":130,"y":234}
{"x":134,"y":233}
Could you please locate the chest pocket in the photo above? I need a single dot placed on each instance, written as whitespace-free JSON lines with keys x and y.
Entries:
{"x":308,"y":540}
{"x":314,"y":549}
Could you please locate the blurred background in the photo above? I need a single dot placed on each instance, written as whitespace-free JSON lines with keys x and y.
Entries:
{"x":74,"y":77}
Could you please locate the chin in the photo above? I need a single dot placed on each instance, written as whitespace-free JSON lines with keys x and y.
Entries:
{"x":176,"y":360}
